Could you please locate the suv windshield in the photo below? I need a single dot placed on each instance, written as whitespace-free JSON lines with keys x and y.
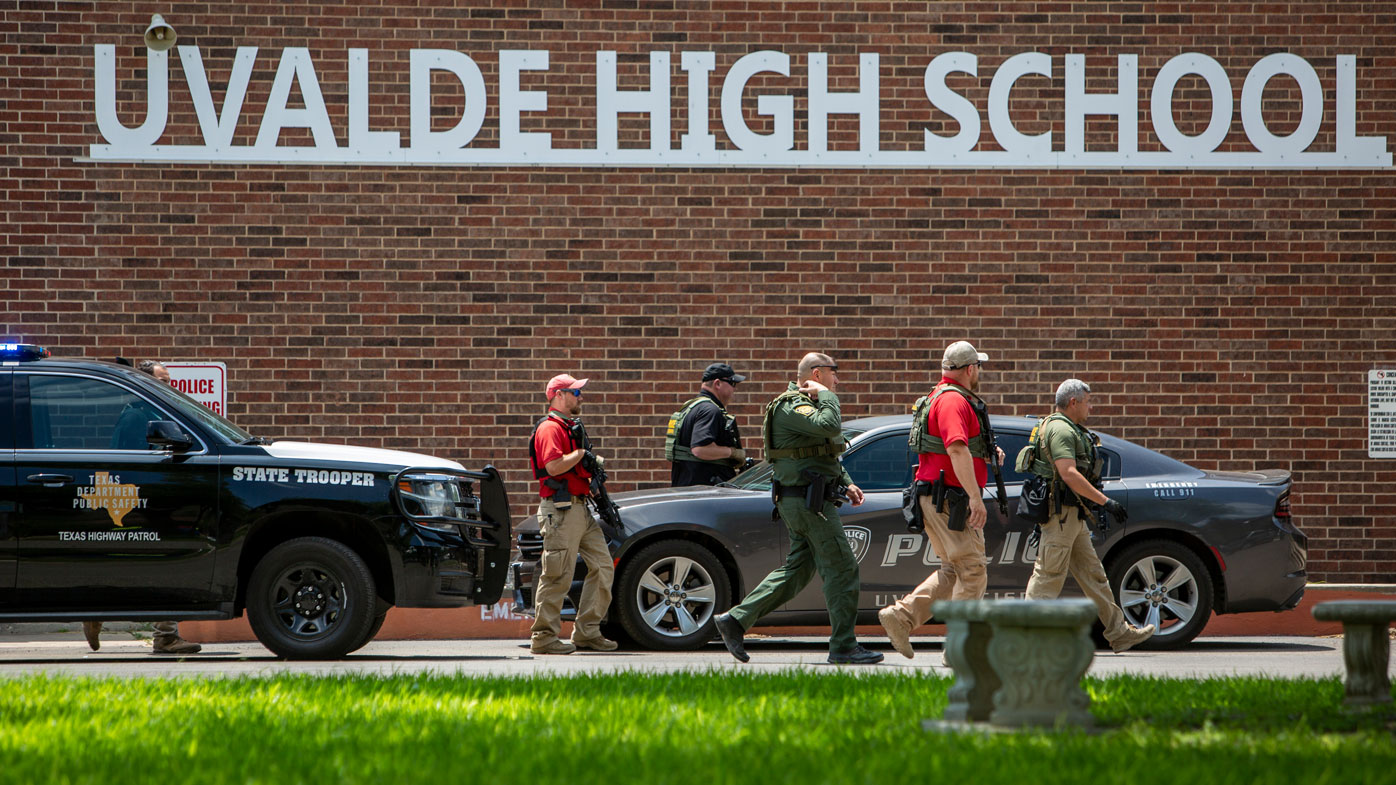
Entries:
{"x":221,"y":426}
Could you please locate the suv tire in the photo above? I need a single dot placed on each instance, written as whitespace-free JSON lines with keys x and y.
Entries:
{"x":653,"y":595}
{"x":1179,"y":581}
{"x":312,"y":598}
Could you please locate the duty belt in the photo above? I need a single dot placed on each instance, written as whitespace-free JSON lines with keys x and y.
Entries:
{"x":781,"y":491}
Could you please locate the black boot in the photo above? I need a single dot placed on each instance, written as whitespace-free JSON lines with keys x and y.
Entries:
{"x":731,"y":631}
{"x":855,"y":656}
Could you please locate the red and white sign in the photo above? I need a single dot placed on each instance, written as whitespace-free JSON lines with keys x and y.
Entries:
{"x":206,"y":383}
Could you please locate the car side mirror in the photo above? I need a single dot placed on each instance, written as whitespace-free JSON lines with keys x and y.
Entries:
{"x":168,"y":435}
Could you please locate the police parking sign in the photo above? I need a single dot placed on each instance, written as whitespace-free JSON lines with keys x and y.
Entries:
{"x":205,"y":382}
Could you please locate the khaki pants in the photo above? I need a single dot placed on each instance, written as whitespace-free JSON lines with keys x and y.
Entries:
{"x":1066,"y":548}
{"x":963,"y":573}
{"x":566,"y":533}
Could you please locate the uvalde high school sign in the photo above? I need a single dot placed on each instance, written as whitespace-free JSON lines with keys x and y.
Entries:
{"x":698,"y":146}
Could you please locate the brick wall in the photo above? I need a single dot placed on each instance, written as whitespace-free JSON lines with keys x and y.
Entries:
{"x":1226,"y":318}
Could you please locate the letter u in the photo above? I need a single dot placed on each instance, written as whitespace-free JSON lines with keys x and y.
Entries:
{"x":157,"y":99}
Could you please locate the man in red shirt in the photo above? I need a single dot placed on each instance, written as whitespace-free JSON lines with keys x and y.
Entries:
{"x":955,"y":444}
{"x":568,"y":529}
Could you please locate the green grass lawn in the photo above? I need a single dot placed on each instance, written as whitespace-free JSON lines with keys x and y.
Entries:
{"x":669,"y":729}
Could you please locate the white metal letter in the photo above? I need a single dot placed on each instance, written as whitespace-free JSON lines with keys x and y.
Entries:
{"x":421,"y":63}
{"x":610,"y":102}
{"x":697,"y":65}
{"x":952,"y":103}
{"x":780,"y":108}
{"x":513,"y":101}
{"x":865,"y":103}
{"x":1351,"y":146}
{"x":1161,"y":104}
{"x":217,"y":129}
{"x":1310,"y":96}
{"x":1000,"y":122}
{"x":296,"y":67}
{"x":1123,"y":103}
{"x":157,"y":99}
{"x":362,"y":140}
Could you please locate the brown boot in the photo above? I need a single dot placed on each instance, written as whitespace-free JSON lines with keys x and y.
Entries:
{"x":92,"y":630}
{"x":896,"y":632}
{"x":171,"y":643}
{"x":1131,"y":637}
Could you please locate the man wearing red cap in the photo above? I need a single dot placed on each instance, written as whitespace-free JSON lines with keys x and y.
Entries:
{"x":568,"y":529}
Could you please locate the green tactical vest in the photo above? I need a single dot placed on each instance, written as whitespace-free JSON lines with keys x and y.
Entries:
{"x":832,"y":447}
{"x":920,"y":439}
{"x":673,"y":451}
{"x":1034,"y":458}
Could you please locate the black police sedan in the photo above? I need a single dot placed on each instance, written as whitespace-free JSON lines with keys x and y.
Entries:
{"x":123,"y":499}
{"x":1196,"y":542}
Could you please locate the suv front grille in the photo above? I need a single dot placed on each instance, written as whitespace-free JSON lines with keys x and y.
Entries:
{"x":530,"y":546}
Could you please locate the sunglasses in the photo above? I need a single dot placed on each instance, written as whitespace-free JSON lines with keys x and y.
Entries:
{"x":577,"y":393}
{"x":833,"y":368}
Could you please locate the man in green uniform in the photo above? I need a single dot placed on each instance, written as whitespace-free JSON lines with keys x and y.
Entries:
{"x":1066,"y":455}
{"x":803,"y":432}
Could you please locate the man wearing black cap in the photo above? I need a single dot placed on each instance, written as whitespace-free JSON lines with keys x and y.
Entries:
{"x":702,"y":440}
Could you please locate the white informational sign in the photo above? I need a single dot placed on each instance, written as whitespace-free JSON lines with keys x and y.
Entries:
{"x":1381,"y":414}
{"x":526,"y":137}
{"x":205,"y":382}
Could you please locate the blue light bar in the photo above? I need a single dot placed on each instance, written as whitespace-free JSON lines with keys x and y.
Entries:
{"x":19,"y":352}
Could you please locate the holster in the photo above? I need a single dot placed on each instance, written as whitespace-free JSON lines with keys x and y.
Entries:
{"x":815,"y":491}
{"x":956,"y":508}
{"x":562,"y":498}
{"x":951,"y":502}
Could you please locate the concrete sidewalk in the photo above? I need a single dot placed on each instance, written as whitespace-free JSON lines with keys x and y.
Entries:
{"x":1280,"y":657}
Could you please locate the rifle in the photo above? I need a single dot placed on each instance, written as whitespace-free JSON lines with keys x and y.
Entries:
{"x":983,"y":413}
{"x":606,"y":510}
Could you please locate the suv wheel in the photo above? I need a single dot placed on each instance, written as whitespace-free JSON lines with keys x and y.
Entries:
{"x":1163,"y":583}
{"x":311,"y":598}
{"x":668,"y":594}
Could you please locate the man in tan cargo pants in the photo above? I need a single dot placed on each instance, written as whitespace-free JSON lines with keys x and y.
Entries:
{"x":568,"y":529}
{"x":1065,"y":453}
{"x":949,"y":438}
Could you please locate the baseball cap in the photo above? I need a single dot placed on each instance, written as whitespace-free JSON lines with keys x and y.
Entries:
{"x":564,"y":382}
{"x":722,"y":371}
{"x":961,"y":353}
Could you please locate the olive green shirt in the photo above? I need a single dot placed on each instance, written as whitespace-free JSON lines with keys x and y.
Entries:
{"x":801,"y":422}
{"x":1062,"y":438}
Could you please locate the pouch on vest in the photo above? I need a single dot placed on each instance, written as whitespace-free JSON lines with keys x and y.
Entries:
{"x":920,"y":440}
{"x":673,"y":451}
{"x":911,"y":505}
{"x":1034,"y":504}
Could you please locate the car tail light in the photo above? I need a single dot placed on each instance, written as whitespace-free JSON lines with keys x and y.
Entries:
{"x":1282,"y":507}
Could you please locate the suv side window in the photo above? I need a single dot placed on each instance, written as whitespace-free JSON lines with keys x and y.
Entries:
{"x":73,"y":413}
{"x":883,"y":465}
{"x":1011,"y":442}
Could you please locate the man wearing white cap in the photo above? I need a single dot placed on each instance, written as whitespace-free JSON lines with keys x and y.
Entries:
{"x":951,"y":439}
{"x":568,"y":529}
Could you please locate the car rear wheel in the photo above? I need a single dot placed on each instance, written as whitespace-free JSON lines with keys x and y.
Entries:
{"x":1163,"y":583}
{"x":311,"y":598}
{"x":669,"y":592}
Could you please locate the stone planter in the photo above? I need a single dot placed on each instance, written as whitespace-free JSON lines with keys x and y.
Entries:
{"x":1040,"y":649}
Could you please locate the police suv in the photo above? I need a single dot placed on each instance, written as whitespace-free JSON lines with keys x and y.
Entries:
{"x":123,"y":499}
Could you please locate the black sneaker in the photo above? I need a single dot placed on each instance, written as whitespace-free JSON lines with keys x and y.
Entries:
{"x":855,"y":656}
{"x":731,"y":631}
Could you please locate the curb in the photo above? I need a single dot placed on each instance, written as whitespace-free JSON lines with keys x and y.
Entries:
{"x":500,"y":623}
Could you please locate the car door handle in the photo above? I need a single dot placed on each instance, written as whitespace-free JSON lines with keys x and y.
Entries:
{"x":50,"y":480}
